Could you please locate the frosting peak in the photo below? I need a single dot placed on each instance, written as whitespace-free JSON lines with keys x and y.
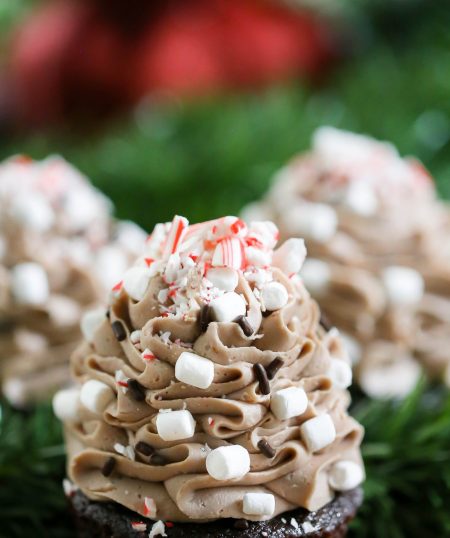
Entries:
{"x":209,"y":380}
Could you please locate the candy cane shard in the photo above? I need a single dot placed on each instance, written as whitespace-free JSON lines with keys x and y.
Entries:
{"x":229,"y":253}
{"x":177,"y":232}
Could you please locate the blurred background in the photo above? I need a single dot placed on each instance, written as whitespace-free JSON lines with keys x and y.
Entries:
{"x":189,"y":106}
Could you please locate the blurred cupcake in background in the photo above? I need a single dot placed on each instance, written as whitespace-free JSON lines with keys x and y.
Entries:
{"x":379,"y":254}
{"x":57,"y":236}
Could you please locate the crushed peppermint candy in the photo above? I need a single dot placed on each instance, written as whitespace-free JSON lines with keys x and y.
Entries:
{"x":147,"y":355}
{"x":183,"y":256}
{"x":135,"y":337}
{"x":139,"y":526}
{"x":69,"y":487}
{"x":158,"y":529}
{"x":149,"y":507}
{"x":294,"y":523}
{"x":165,"y":337}
{"x":127,"y":451}
{"x":121,"y":381}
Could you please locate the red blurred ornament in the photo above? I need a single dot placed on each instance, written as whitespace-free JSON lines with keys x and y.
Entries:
{"x":87,"y":59}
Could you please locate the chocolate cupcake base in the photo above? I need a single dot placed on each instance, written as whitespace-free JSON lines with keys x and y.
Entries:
{"x":109,"y":520}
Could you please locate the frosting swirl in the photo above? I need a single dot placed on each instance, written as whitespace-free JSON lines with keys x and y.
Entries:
{"x":380,"y":255}
{"x":167,"y":306}
{"x":54,"y":228}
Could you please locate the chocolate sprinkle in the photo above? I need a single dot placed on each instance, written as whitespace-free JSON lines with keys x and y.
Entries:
{"x":137,"y":391}
{"x":243,"y":323}
{"x":118,"y":330}
{"x":266,"y":449}
{"x":261,"y":376}
{"x":108,"y":313}
{"x":205,"y":317}
{"x":157,"y":459}
{"x":108,"y":467}
{"x":241,"y":524}
{"x":144,"y":448}
{"x":273,"y":367}
{"x":325,"y":322}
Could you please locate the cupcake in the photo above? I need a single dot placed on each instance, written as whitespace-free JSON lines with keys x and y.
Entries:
{"x":56,"y":237}
{"x":379,"y":264}
{"x":209,"y":400}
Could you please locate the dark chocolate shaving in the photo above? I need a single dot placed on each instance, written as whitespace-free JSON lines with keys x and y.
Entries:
{"x":144,"y":448}
{"x":273,"y":367}
{"x":205,"y":318}
{"x":266,"y":449}
{"x":241,"y":524}
{"x":157,"y":459}
{"x":261,"y":376}
{"x":119,"y":330}
{"x":108,"y":467}
{"x":244,"y":324}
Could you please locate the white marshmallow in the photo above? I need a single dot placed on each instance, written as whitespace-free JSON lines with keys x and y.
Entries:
{"x":34,"y":212}
{"x":274,"y":296}
{"x":15,"y":391}
{"x":96,"y":396}
{"x":65,"y":404}
{"x":404,"y":286}
{"x":352,"y":346}
{"x":227,"y":462}
{"x":131,"y":237}
{"x":345,"y":475}
{"x":361,"y":199}
{"x":316,"y":275}
{"x":228,"y":307}
{"x":318,"y":432}
{"x":289,"y":402}
{"x":312,"y":221}
{"x":175,"y":425}
{"x":340,"y":373}
{"x":224,"y":278}
{"x":110,"y":264}
{"x":258,"y":504}
{"x":290,"y":256}
{"x":29,"y":284}
{"x":135,"y":282}
{"x":194,"y":370}
{"x":91,"y":321}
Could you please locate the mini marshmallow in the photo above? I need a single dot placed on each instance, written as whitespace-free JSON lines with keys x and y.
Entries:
{"x":258,"y":504}
{"x":257,"y":257}
{"x":65,"y":404}
{"x":288,"y":403}
{"x":96,"y":396}
{"x":318,"y":432}
{"x":361,"y":199}
{"x":15,"y":391}
{"x":313,"y":221}
{"x":345,"y":475}
{"x":135,"y":282}
{"x":404,"y":286}
{"x":228,"y":462}
{"x":175,"y":425}
{"x":316,"y":276}
{"x":194,"y":370}
{"x":110,"y":264}
{"x":290,"y":256}
{"x":34,"y":212}
{"x":29,"y":284}
{"x":352,"y":346}
{"x":224,"y":278}
{"x":274,"y":296}
{"x":91,"y":322}
{"x":340,"y":373}
{"x":228,"y":307}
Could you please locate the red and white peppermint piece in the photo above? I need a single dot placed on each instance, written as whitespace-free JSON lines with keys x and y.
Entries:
{"x":147,"y":355}
{"x":229,"y":252}
{"x":177,"y":232}
{"x":149,"y":507}
{"x":139,"y":526}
